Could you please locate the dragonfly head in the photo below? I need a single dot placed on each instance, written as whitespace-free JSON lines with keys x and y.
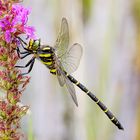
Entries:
{"x":33,"y":45}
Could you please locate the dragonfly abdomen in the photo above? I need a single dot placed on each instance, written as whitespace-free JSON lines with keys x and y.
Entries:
{"x":98,"y":102}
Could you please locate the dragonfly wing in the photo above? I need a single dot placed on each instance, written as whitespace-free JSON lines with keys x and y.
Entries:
{"x":62,"y":42}
{"x":71,"y":90}
{"x":71,"y":59}
{"x":63,"y":79}
{"x":60,"y":78}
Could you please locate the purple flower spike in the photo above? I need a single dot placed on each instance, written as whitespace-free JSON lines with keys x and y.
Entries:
{"x":14,"y":23}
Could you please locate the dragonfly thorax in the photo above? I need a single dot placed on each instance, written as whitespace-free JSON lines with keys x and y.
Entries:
{"x":47,"y":56}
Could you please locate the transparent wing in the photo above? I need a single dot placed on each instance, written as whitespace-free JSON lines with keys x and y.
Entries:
{"x":63,"y":79}
{"x":71,"y":90}
{"x":71,"y":59}
{"x":62,"y":42}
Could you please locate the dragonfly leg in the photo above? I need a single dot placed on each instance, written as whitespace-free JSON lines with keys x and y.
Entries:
{"x":30,"y":68}
{"x":22,"y":42}
{"x":22,"y":57}
{"x":19,"y":53}
{"x":30,"y":63}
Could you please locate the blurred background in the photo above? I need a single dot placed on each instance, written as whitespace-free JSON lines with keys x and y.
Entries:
{"x":109,"y":31}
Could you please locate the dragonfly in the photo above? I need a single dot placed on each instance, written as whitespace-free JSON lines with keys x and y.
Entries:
{"x":62,"y":61}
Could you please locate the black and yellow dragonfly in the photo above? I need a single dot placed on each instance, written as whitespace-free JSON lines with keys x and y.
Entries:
{"x":62,"y":60}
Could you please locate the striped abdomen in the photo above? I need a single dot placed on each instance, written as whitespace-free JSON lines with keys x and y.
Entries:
{"x":47,"y":57}
{"x":98,"y":102}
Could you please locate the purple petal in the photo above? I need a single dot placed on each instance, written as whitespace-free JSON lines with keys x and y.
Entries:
{"x":30,"y":31}
{"x":21,"y":14}
{"x":7,"y":36}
